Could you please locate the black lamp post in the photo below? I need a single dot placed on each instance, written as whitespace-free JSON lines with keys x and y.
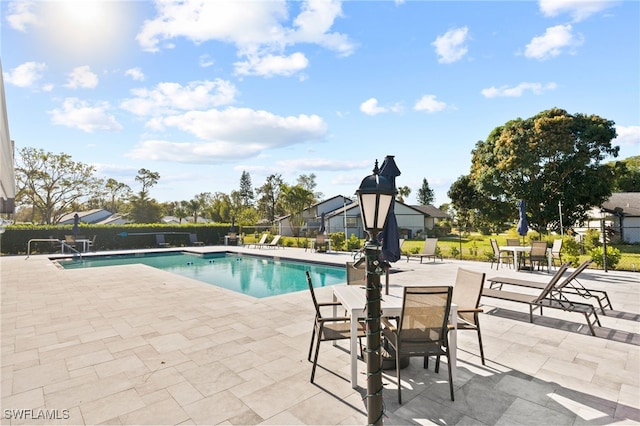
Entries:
{"x":603,"y":214}
{"x":375,"y":195}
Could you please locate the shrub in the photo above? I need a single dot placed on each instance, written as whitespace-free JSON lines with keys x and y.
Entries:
{"x":454,"y":252}
{"x":591,"y":239}
{"x":613,"y":256}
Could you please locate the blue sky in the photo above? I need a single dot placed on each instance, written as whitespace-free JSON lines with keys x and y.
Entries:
{"x":202,"y":92}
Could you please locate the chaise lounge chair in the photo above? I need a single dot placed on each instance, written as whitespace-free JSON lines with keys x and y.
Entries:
{"x":548,"y":298}
{"x":569,"y":285}
{"x":262,"y":241}
{"x":272,"y":244}
{"x":430,"y":249}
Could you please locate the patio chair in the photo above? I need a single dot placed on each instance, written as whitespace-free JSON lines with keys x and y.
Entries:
{"x":513,"y":242}
{"x":273,"y":243}
{"x":466,"y":294}
{"x":160,"y":241}
{"x":422,"y":329}
{"x":569,"y":285}
{"x":548,"y":297}
{"x":193,"y":240}
{"x":499,"y":256}
{"x":537,"y":255}
{"x":429,"y":250}
{"x":262,"y":241}
{"x":327,"y":328}
{"x":556,"y":252}
{"x":321,"y":244}
{"x":358,"y":275}
{"x":70,"y":241}
{"x":92,"y":243}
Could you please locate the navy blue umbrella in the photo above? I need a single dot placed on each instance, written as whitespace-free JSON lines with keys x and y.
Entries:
{"x":322,"y":229}
{"x":390,"y":234}
{"x":523,"y":226}
{"x":76,"y":220}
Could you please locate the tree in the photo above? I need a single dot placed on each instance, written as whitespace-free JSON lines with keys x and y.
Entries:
{"x":403,"y":192}
{"x":294,"y":200}
{"x":551,"y":157}
{"x":219,"y":210}
{"x":425,"y":194}
{"x":143,"y":208}
{"x":52,"y":183}
{"x":193,"y":207}
{"x":117,"y":192}
{"x":147,"y":178}
{"x":269,"y":194}
{"x":626,"y":174}
{"x":246,"y":190}
{"x":308,"y":183}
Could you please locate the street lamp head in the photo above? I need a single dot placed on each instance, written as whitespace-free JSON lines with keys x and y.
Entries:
{"x":375,"y":196}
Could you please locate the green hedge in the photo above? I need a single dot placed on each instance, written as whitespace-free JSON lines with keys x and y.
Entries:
{"x":108,"y":237}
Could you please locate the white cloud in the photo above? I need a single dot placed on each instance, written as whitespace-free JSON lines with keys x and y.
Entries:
{"x":451,"y":47}
{"x":20,"y":15}
{"x":321,"y":164}
{"x":552,"y":43}
{"x":517,"y":91}
{"x":313,"y":25}
{"x":80,"y":115}
{"x":82,"y":77}
{"x":231,"y":134}
{"x":628,"y":136}
{"x":261,"y":33}
{"x":205,"y":61}
{"x":578,"y":9}
{"x":271,"y":65}
{"x":169,"y":98}
{"x":371,"y":107}
{"x":429,"y":104}
{"x":25,"y":75}
{"x":135,"y":73}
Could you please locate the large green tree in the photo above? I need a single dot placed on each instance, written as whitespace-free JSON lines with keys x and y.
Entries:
{"x":294,"y":200}
{"x":425,"y":194}
{"x":246,"y":190}
{"x":551,"y":157}
{"x":145,"y":209}
{"x":269,"y":197}
{"x":626,"y":174}
{"x":52,"y":183}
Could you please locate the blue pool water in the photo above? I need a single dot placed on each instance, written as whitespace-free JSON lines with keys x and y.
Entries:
{"x":251,"y":275}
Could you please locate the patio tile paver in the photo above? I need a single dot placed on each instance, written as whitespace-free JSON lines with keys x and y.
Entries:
{"x":135,"y":345}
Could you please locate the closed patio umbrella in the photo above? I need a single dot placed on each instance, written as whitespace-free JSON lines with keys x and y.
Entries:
{"x":76,"y":220}
{"x":390,"y":234}
{"x":523,"y":226}
{"x":322,"y":228}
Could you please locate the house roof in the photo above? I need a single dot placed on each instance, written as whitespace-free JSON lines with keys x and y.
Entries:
{"x":431,"y":211}
{"x":629,"y":202}
{"x":68,"y":218}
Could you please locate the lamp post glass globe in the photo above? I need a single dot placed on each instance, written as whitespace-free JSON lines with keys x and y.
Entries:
{"x":375,"y":196}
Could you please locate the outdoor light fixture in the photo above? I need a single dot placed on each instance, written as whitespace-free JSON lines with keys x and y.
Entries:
{"x":375,"y":196}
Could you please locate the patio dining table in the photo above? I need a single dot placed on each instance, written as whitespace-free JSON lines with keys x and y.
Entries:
{"x":354,"y":300}
{"x":516,"y":250}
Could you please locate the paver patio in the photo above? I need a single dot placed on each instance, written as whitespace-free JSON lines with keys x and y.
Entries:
{"x":136,"y":345}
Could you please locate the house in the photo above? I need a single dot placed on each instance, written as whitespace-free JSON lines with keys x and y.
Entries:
{"x":343,"y":215}
{"x":621,"y":215}
{"x":312,"y":217}
{"x":89,"y":216}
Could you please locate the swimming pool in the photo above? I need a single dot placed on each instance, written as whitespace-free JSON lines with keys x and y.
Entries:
{"x":252,"y":275}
